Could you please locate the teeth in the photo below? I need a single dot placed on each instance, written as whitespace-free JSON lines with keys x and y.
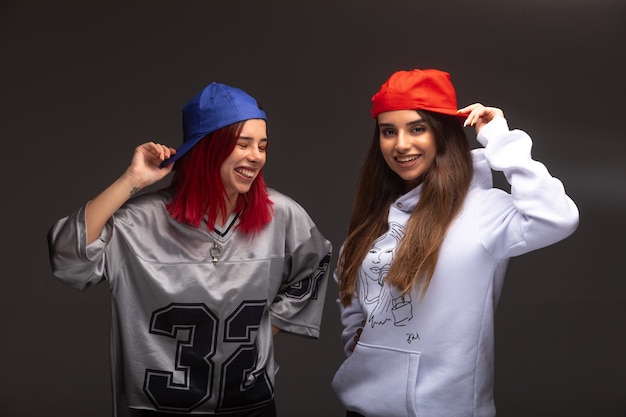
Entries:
{"x":406,"y":159}
{"x":246,"y":172}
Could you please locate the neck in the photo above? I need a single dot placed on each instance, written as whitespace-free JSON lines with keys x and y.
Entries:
{"x":231,"y":203}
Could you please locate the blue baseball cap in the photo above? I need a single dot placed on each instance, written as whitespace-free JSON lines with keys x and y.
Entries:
{"x":215,"y":107}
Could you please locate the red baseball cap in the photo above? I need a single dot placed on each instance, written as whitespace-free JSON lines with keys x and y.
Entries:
{"x":427,"y":89}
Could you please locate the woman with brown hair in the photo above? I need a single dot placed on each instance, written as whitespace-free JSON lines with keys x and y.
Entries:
{"x":429,"y":239}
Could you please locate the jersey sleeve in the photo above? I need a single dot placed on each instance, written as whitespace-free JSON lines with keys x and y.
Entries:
{"x":537,"y":212}
{"x":299,"y":303}
{"x":73,"y":261}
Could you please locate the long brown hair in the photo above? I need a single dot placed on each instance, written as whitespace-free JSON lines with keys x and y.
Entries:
{"x":199,"y":190}
{"x":444,"y":188}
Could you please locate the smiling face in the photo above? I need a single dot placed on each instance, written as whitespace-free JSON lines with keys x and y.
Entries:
{"x":407,"y":144}
{"x":246,"y":160}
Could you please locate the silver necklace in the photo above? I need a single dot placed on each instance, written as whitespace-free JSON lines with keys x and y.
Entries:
{"x":215,"y":252}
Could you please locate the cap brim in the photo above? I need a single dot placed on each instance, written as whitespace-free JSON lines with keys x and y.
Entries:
{"x":463,"y":116}
{"x":449,"y":112}
{"x":170,"y":160}
{"x":181,"y":150}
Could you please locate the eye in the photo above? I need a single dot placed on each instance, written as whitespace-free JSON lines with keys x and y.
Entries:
{"x":242,"y":144}
{"x":418,"y":129}
{"x":387,"y":132}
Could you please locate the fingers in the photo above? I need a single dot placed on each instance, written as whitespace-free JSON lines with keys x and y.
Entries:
{"x":162,"y":152}
{"x":357,"y":336}
{"x":480,"y":114}
{"x":470,"y":108}
{"x":475,"y":112}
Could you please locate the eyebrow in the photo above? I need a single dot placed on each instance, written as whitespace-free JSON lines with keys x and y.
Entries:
{"x":411,"y":123}
{"x":251,"y":138}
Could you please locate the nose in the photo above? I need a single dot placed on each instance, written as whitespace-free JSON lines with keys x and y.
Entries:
{"x":255,"y":154}
{"x":402,"y":144}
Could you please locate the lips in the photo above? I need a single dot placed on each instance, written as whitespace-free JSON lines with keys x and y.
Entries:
{"x":248,"y":173}
{"x":405,"y":159}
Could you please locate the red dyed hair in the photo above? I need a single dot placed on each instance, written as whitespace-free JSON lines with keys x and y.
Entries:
{"x":199,"y":191}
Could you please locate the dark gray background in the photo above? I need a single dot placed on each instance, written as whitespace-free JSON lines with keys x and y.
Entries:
{"x":83,"y":83}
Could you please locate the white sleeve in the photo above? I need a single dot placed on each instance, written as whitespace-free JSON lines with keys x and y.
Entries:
{"x":538,"y":212}
{"x":351,"y":318}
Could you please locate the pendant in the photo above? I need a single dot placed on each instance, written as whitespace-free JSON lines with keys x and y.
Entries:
{"x":215,"y":252}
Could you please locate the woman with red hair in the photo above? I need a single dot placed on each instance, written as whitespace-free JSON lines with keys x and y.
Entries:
{"x":202,"y":273}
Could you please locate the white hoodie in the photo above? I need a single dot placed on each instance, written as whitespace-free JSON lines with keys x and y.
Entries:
{"x":433,"y":356}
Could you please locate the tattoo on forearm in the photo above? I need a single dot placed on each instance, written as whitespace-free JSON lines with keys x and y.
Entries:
{"x":134,"y":190}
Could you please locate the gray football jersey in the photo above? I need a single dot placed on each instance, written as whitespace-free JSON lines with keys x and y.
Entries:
{"x":192,"y":309}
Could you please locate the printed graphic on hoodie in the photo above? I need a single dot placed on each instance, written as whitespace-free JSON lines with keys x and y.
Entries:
{"x":387,"y":306}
